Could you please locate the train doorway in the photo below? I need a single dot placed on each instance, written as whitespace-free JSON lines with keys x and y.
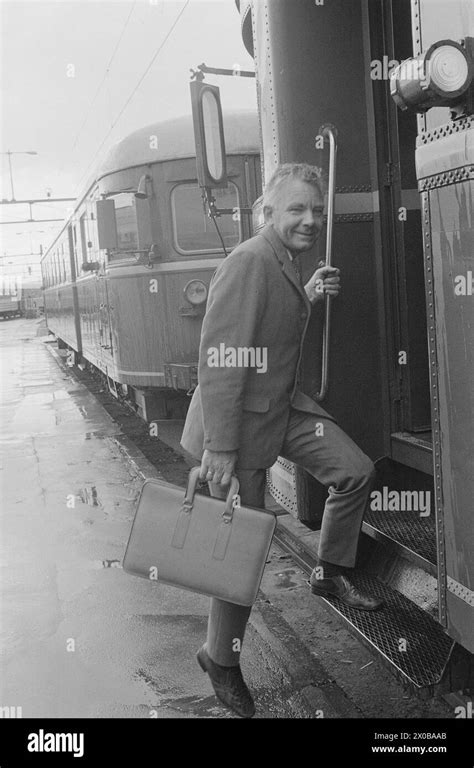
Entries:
{"x":402,"y":241}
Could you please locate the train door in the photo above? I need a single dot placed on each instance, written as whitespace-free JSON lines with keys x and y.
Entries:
{"x":445,"y":173}
{"x":424,"y":348}
{"x":74,"y":275}
{"x":105,"y":332}
{"x":100,"y":313}
{"x":391,"y":42}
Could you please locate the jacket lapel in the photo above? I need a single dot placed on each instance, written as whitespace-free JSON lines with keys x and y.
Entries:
{"x":286,"y":264}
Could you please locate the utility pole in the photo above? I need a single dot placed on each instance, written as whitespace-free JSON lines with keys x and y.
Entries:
{"x":10,"y":153}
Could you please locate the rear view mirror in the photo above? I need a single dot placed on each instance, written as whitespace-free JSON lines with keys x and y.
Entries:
{"x":106,"y":224}
{"x":208,"y":135}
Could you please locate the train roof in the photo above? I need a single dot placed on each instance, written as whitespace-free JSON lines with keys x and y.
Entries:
{"x":175,"y":140}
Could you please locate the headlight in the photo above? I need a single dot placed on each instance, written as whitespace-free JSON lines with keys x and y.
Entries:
{"x":195,"y":292}
{"x":436,"y":78}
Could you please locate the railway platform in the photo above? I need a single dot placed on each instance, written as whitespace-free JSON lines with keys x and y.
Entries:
{"x":82,"y":638}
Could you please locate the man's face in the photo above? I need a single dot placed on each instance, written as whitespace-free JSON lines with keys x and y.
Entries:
{"x":297,"y":215}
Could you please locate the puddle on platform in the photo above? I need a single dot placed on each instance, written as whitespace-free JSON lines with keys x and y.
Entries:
{"x":284,"y":579}
{"x":169,"y":697}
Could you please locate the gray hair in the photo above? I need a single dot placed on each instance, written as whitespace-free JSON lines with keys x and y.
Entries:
{"x":310,"y":174}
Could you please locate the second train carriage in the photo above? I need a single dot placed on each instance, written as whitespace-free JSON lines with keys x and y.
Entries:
{"x":126,"y":280}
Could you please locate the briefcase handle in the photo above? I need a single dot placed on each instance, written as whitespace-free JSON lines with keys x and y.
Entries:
{"x":230,"y":504}
{"x":184,"y":517}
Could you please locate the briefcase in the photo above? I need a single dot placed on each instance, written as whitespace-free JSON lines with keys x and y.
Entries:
{"x":199,"y":543}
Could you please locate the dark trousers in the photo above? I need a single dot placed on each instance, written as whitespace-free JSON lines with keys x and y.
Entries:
{"x":336,"y":462}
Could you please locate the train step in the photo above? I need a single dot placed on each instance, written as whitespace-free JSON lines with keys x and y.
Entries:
{"x":409,"y":529}
{"x":406,"y":638}
{"x":412,"y":537}
{"x":401,"y":513}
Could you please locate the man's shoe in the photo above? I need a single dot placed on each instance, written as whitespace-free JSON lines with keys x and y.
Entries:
{"x":228,"y":684}
{"x":341,"y":587}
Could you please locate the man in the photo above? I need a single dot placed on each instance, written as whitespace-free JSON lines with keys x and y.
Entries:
{"x":243,"y":416}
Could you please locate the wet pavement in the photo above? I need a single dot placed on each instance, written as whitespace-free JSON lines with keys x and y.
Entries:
{"x":81,"y":638}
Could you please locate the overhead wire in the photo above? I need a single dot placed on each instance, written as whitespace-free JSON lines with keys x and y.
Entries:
{"x":106,"y":73}
{"x":127,"y":102}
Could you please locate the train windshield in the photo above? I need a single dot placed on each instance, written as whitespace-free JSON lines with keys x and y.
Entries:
{"x":126,"y":216}
{"x":194,"y":232}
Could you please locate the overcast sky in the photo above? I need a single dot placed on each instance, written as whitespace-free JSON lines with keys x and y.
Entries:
{"x":54,"y":56}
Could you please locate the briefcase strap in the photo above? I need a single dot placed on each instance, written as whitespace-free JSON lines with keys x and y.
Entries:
{"x":182,"y":525}
{"x":222,"y":539}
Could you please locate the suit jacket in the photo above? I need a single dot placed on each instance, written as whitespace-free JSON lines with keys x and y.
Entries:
{"x":251,"y":347}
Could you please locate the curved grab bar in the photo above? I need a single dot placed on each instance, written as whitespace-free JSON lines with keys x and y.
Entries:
{"x":329,"y":132}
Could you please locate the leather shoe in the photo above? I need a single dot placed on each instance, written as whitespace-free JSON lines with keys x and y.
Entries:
{"x":340,"y":587}
{"x":229,"y":685}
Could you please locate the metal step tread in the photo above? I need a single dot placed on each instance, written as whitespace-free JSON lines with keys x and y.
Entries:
{"x":397,"y":625}
{"x":415,"y":449}
{"x":423,"y":440}
{"x":406,"y":636}
{"x":414,"y":533}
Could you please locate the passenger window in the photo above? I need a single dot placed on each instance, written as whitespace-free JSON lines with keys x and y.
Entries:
{"x":194,"y":232}
{"x":84,"y":254}
{"x":126,"y":216}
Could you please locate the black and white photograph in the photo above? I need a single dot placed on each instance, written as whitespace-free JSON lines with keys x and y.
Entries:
{"x":237,"y":376}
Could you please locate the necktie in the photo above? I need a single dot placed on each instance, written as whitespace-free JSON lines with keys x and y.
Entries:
{"x":297,"y":269}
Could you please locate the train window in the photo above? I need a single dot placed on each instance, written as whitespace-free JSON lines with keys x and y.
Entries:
{"x":194,"y":232}
{"x":83,"y":231}
{"x":75,"y":247}
{"x":126,"y":216}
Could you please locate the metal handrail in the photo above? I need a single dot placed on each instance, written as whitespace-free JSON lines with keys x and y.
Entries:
{"x":329,"y":132}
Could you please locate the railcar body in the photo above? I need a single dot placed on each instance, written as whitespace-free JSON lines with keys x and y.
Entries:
{"x":401,"y":366}
{"x":10,"y":298}
{"x":135,"y":310}
{"x":10,"y":307}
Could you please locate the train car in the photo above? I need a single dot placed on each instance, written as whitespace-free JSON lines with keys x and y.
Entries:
{"x":393,"y":360}
{"x":10,"y":307}
{"x":10,"y":297}
{"x":126,"y":280}
{"x":58,"y":268}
